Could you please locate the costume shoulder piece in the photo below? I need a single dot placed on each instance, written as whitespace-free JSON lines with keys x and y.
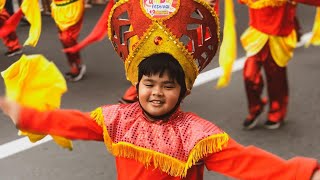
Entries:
{"x":173,"y":146}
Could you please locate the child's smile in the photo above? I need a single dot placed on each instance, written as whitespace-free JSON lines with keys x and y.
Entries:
{"x":156,"y":102}
{"x":158,"y":95}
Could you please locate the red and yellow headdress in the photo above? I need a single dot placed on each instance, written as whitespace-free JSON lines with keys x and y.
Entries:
{"x":186,"y":29}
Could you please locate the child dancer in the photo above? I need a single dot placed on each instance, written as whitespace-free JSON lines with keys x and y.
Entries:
{"x":154,"y":138}
{"x":269,"y":43}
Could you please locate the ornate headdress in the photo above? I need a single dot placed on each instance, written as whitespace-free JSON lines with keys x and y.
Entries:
{"x":186,"y":29}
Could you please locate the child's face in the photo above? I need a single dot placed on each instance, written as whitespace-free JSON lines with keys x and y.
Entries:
{"x":158,"y":95}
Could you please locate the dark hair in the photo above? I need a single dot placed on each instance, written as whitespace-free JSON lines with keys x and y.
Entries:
{"x":160,"y":63}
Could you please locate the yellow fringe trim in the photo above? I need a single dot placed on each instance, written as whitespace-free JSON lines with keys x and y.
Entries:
{"x":264,"y":3}
{"x":211,"y":144}
{"x":165,"y":163}
{"x":98,"y":116}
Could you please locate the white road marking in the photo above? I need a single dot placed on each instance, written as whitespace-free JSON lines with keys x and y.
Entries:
{"x":22,"y":144}
{"x":19,"y":145}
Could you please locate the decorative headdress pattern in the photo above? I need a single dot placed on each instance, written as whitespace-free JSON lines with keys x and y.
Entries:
{"x":186,"y":29}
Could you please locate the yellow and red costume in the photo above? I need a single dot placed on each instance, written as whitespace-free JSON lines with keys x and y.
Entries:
{"x":11,"y":40}
{"x":180,"y":146}
{"x":68,"y":16}
{"x":269,"y":43}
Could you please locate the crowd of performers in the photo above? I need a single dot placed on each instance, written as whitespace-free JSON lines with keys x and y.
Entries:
{"x":148,"y":133}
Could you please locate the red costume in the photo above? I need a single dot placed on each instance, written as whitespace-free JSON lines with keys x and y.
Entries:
{"x":177,"y":149}
{"x":69,"y":38}
{"x":11,"y":40}
{"x":269,"y":42}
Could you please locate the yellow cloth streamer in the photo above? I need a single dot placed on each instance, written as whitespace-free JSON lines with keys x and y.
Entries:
{"x":31,"y":10}
{"x":315,"y":38}
{"x":228,"y":49}
{"x":35,"y":82}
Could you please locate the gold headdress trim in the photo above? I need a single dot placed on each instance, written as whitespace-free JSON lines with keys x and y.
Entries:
{"x":165,"y":163}
{"x":169,"y":44}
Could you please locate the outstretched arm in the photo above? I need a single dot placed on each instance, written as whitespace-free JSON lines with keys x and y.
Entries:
{"x":70,"y":124}
{"x":253,"y":163}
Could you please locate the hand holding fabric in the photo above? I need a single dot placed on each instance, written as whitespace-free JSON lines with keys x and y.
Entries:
{"x":34,"y":82}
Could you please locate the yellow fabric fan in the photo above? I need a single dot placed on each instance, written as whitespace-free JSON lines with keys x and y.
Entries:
{"x":35,"y":82}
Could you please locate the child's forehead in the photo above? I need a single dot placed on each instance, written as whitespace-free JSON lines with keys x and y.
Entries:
{"x":165,"y":75}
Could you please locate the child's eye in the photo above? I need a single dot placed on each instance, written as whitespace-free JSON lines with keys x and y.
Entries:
{"x":169,"y":87}
{"x":148,"y":85}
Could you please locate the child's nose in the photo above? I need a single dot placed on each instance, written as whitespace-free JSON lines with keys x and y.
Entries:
{"x":157,"y":91}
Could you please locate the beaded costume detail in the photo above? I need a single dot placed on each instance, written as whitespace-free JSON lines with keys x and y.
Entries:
{"x":129,"y":134}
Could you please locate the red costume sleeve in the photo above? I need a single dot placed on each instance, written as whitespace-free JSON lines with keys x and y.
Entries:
{"x":11,"y":24}
{"x":253,"y":163}
{"x":70,"y":124}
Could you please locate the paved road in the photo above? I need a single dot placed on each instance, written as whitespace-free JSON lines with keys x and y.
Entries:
{"x":105,"y":82}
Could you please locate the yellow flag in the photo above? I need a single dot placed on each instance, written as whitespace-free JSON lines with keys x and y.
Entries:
{"x":35,"y":82}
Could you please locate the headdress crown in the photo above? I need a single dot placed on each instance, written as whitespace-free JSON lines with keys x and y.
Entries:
{"x":186,"y":29}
